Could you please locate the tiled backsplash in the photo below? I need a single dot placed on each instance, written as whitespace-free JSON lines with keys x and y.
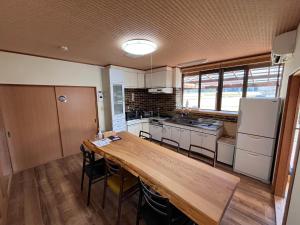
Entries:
{"x":141,"y":99}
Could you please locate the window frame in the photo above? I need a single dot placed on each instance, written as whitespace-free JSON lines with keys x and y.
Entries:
{"x":221,"y":71}
{"x":199,"y":92}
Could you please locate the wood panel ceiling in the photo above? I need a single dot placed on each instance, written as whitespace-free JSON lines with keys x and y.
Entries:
{"x":184,"y":30}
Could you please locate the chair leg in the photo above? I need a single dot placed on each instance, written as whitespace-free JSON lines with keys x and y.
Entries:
{"x":119,"y":209}
{"x":82,"y":179}
{"x":104,"y":191}
{"x":89,"y":192}
{"x":120,"y":199}
{"x":139,"y":207}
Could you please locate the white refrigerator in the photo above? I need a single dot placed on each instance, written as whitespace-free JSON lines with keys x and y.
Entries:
{"x":256,"y":137}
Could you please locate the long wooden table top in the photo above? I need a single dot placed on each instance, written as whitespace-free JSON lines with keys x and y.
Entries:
{"x":197,"y":189}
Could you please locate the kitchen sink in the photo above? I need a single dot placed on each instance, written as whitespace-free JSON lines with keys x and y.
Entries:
{"x":200,"y":123}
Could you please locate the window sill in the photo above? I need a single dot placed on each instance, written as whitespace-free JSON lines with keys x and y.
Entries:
{"x":210,"y":112}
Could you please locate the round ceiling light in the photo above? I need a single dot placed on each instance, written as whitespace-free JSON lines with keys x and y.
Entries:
{"x":139,"y":47}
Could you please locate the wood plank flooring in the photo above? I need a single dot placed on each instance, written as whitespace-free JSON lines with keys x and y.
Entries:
{"x":50,"y":195}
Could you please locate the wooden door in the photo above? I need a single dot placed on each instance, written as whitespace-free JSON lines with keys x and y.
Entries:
{"x":77,"y":116}
{"x":31,"y":122}
{"x":5,"y":171}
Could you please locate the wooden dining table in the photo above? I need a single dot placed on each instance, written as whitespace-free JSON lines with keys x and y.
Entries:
{"x":200,"y":191}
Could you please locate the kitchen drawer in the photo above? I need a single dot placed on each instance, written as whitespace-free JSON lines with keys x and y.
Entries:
{"x":256,"y":144}
{"x":252,"y":164}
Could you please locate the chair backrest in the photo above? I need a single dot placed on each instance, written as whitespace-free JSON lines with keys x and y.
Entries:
{"x":112,"y":168}
{"x":205,"y":149}
{"x":88,"y":156}
{"x":158,"y":203}
{"x":167,"y":141}
{"x":145,"y":135}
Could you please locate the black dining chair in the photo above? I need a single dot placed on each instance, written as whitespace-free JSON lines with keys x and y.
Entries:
{"x":145,"y":135}
{"x":157,"y":210}
{"x":203,"y":149}
{"x":121,"y":182}
{"x":167,"y":141}
{"x":93,"y":169}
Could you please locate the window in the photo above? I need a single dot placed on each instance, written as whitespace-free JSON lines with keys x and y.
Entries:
{"x":263,"y":81}
{"x":222,"y":89}
{"x":208,"y":92}
{"x":190,"y":91}
{"x":232,"y":90}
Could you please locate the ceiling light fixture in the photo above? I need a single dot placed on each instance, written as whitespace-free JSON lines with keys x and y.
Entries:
{"x":139,"y":47}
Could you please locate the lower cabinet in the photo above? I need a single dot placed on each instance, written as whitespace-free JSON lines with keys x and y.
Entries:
{"x":203,"y":140}
{"x":145,"y":126}
{"x":185,"y":139}
{"x":196,"y":138}
{"x":175,"y":134}
{"x":135,"y":128}
{"x":167,"y":132}
{"x":156,"y":132}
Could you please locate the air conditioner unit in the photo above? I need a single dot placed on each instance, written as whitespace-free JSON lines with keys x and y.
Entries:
{"x":283,"y":47}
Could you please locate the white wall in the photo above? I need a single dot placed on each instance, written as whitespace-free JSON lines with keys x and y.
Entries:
{"x":291,"y":67}
{"x":23,"y":69}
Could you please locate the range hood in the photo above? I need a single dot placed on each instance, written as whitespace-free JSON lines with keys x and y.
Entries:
{"x":160,"y":90}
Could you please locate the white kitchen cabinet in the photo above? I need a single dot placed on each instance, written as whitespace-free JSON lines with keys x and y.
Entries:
{"x":114,"y":80}
{"x":145,"y":126}
{"x":130,"y":79}
{"x":156,"y":132}
{"x":177,"y":78}
{"x":118,"y":107}
{"x":161,"y":77}
{"x":135,"y":128}
{"x":226,"y":147}
{"x":185,"y":139}
{"x":167,"y":132}
{"x":205,"y":141}
{"x":140,"y":79}
{"x":209,"y":141}
{"x":175,"y":134}
{"x":196,"y":138}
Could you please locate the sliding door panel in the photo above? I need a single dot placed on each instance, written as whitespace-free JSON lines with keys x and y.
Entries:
{"x":31,"y":120}
{"x":77,"y":116}
{"x":5,"y":171}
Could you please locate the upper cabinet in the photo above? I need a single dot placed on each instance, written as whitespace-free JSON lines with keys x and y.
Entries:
{"x":131,"y":78}
{"x":163,"y":77}
{"x":159,"y":78}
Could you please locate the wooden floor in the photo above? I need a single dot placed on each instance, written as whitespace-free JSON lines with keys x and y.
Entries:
{"x":50,"y":195}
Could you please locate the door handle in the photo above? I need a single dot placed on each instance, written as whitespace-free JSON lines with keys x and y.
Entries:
{"x":8,"y":134}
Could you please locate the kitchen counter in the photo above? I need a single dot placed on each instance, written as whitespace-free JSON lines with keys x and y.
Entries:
{"x":207,"y":124}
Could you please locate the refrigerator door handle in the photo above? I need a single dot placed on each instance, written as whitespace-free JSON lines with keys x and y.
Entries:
{"x":255,"y":137}
{"x":251,"y":154}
